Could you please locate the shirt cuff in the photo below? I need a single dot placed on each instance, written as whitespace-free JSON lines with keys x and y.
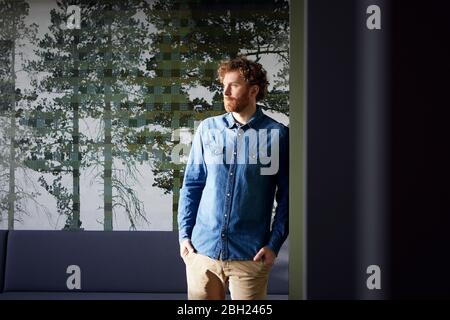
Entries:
{"x":182,"y":235}
{"x":275,"y":248}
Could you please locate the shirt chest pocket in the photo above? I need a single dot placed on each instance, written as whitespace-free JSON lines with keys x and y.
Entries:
{"x":214,"y":153}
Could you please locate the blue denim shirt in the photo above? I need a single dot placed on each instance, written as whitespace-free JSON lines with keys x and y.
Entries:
{"x":231,"y":178}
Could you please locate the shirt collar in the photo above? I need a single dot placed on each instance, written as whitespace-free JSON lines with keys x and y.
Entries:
{"x":231,"y":122}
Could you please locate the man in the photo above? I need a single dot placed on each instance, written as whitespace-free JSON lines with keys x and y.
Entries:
{"x":226,"y":229}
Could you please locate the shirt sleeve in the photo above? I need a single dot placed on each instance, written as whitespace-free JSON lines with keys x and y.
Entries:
{"x":192,"y":188}
{"x":280,"y":226}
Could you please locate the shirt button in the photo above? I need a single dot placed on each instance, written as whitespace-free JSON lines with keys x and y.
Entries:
{"x":225,"y":215}
{"x":228,"y":194}
{"x":223,"y":235}
{"x":231,"y":173}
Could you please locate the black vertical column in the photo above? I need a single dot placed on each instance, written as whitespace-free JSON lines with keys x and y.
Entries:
{"x":331,"y":150}
{"x":420,"y":179}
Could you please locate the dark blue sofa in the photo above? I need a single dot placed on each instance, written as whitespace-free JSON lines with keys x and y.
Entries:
{"x":105,"y":265}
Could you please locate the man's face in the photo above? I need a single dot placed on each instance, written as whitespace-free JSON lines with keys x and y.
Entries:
{"x":236,"y":93}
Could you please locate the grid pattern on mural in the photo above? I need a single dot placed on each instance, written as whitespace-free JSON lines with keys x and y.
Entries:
{"x":115,"y":93}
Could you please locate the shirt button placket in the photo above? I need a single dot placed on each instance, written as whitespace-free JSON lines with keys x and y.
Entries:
{"x":230,"y":186}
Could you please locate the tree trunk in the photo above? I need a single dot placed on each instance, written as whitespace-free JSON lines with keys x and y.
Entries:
{"x":176,"y":177}
{"x":76,"y":222}
{"x":107,"y":151}
{"x":12,"y":146}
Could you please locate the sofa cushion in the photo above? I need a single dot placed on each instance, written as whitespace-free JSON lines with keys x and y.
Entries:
{"x":118,"y":261}
{"x":3,"y":234}
{"x":115,"y":262}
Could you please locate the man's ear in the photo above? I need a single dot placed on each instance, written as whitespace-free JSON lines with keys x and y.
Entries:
{"x":254,"y":89}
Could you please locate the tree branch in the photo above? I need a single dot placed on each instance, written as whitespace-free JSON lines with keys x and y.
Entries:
{"x":278,"y":52}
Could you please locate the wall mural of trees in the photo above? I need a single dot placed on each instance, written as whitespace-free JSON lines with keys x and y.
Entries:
{"x":139,"y":75}
{"x":14,"y":35}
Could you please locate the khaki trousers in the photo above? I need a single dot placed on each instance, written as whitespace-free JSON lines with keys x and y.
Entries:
{"x":207,"y":278}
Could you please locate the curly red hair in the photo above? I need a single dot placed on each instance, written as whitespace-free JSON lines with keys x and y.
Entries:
{"x":252,"y":72}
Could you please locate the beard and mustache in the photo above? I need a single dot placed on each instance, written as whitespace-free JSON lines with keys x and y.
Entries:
{"x":236,"y":104}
